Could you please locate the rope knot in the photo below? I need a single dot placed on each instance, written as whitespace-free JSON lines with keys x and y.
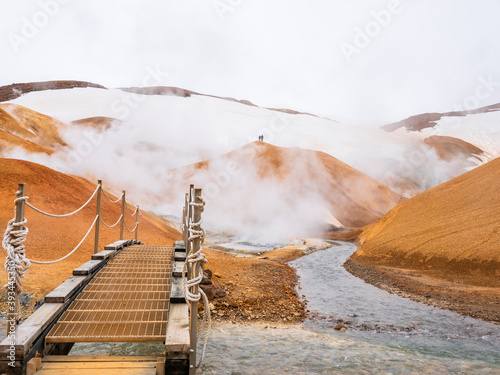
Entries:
{"x":16,"y":263}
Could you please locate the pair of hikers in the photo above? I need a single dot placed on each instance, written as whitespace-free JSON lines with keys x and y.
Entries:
{"x":261,"y":138}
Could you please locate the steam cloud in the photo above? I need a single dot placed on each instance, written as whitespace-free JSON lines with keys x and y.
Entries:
{"x":161,"y":134}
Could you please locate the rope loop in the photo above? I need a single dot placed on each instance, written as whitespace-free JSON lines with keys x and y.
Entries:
{"x":133,"y":213}
{"x":72,"y":251}
{"x":63,"y":215}
{"x":109,"y":199}
{"x":133,"y":229}
{"x":111,"y":226}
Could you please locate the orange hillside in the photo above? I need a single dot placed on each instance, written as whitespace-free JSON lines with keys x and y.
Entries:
{"x":352,"y":198}
{"x":52,"y":238}
{"x":453,"y":228}
{"x":448,"y":148}
{"x":29,"y":129}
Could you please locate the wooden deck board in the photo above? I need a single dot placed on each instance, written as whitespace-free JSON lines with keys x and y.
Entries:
{"x":177,"y":338}
{"x":66,"y":290}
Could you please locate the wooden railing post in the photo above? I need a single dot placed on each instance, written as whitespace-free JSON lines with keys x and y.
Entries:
{"x":98,"y":213}
{"x":184,"y":220}
{"x":189,"y":215}
{"x":12,"y":314}
{"x":122,"y":221}
{"x":136,"y":221}
{"x":196,"y":218}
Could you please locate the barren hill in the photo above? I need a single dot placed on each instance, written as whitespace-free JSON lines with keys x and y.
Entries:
{"x":97,"y":122}
{"x":449,"y":148}
{"x":52,"y":238}
{"x":33,"y":131}
{"x":15,"y":90}
{"x":429,"y":120}
{"x":291,"y":179}
{"x":453,"y":228}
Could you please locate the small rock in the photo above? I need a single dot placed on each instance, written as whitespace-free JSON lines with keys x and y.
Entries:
{"x":217,"y":275}
{"x":25,"y":299}
{"x":212,"y":307}
{"x":340,"y":327}
{"x":209,"y":291}
{"x":219,"y":292}
{"x":39,"y":303}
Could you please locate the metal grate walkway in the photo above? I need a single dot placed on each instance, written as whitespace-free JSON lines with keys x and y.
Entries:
{"x":128,"y":300}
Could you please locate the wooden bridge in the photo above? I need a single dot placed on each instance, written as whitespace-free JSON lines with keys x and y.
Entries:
{"x":128,"y":292}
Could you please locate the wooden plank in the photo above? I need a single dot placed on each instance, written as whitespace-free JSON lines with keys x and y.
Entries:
{"x":87,"y":268}
{"x":33,"y":365}
{"x":66,"y":290}
{"x":180,"y":256}
{"x":31,"y":328}
{"x":160,"y":366}
{"x":178,"y":267}
{"x":103,"y":255}
{"x":117,"y":245}
{"x":93,"y":371}
{"x":179,"y":246}
{"x":177,"y":337}
{"x":177,"y":291}
{"x":151,"y":338}
{"x":98,"y":365}
{"x":99,"y":358}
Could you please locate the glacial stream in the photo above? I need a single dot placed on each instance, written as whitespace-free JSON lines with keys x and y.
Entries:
{"x":386,"y":334}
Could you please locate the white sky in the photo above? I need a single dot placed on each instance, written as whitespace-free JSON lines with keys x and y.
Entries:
{"x":280,"y":53}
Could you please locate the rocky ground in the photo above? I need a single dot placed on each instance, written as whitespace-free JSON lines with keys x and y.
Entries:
{"x":460,"y":295}
{"x":260,"y":287}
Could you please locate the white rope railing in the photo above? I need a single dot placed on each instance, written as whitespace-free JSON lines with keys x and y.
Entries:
{"x":111,"y":226}
{"x":133,"y":229}
{"x":64,"y":215}
{"x":133,"y":213}
{"x":72,"y":251}
{"x":109,"y":199}
{"x":197,"y":262}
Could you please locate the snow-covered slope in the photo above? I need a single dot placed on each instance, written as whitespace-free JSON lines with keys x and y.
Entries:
{"x":157,"y":133}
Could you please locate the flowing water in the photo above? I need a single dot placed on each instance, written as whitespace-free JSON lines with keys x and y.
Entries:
{"x":386,"y":334}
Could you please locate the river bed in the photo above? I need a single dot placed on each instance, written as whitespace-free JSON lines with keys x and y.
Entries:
{"x":386,"y":334}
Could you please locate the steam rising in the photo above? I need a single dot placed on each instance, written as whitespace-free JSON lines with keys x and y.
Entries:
{"x":158,"y":134}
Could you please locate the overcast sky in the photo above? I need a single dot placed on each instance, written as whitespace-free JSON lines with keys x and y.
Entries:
{"x":378,"y":60}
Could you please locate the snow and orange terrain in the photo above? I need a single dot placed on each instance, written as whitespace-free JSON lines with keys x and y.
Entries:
{"x":187,"y":128}
{"x":450,"y":229}
{"x":52,"y":238}
{"x":271,"y":192}
{"x":33,"y":131}
{"x":113,"y":133}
